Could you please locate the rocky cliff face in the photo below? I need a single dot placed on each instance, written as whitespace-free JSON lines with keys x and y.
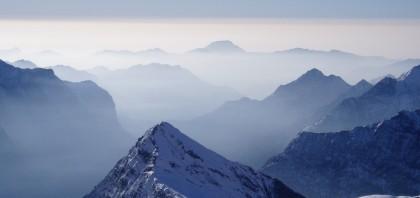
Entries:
{"x":166,"y":163}
{"x":382,"y":158}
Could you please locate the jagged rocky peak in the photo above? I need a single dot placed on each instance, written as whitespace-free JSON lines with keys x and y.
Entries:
{"x":166,"y":163}
{"x":381,"y":158}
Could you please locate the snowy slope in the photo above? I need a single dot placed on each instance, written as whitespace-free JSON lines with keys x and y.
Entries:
{"x":382,"y":158}
{"x":388,"y":196}
{"x":166,"y":163}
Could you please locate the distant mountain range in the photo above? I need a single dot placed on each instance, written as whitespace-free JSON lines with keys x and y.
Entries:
{"x":24,"y":64}
{"x":382,"y":101}
{"x":69,"y":73}
{"x":219,"y":47}
{"x":381,"y":158}
{"x":148,"y":52}
{"x":147,"y":94}
{"x":235,"y":63}
{"x":268,"y":124}
{"x":166,"y":163}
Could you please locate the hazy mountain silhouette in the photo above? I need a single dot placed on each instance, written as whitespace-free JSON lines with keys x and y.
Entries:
{"x":55,"y":125}
{"x":146,"y":94}
{"x":381,"y":158}
{"x":69,"y":73}
{"x":147,"y":52}
{"x":303,"y":51}
{"x":166,"y":163}
{"x":401,"y":66}
{"x":24,"y":64}
{"x":385,"y":99}
{"x":268,"y":124}
{"x":256,"y":74}
{"x":374,"y":81}
{"x":224,"y":46}
{"x":354,"y":91}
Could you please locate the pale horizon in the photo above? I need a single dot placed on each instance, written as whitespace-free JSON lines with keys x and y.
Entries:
{"x":394,"y":38}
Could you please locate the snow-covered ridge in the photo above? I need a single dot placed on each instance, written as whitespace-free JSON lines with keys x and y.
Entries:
{"x":388,"y":196}
{"x":381,"y":158}
{"x":166,"y":163}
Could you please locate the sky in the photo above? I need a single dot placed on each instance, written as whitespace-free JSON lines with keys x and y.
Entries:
{"x":368,"y":27}
{"x":106,"y":9}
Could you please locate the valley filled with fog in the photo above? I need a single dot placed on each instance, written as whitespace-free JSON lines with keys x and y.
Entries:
{"x":59,"y":120}
{"x":209,"y":99}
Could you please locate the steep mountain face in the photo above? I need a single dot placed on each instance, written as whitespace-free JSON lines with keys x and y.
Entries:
{"x":166,"y":163}
{"x":36,"y":97}
{"x":70,"y":74}
{"x":268,"y":124}
{"x":382,"y":158}
{"x":146,"y":94}
{"x":219,"y":47}
{"x":55,"y":124}
{"x":385,"y":99}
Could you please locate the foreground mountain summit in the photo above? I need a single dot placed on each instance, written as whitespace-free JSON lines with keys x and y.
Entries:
{"x":382,"y":158}
{"x":166,"y":163}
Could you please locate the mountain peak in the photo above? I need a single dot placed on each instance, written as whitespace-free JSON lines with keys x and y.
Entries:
{"x":315,"y":74}
{"x":363,"y":83}
{"x":24,"y":64}
{"x":9,"y":73}
{"x":223,"y":46}
{"x":413,"y":76}
{"x":163,"y":128}
{"x":166,"y":163}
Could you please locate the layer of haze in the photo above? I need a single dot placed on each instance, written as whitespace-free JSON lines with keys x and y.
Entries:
{"x":390,"y":38}
{"x":77,"y":43}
